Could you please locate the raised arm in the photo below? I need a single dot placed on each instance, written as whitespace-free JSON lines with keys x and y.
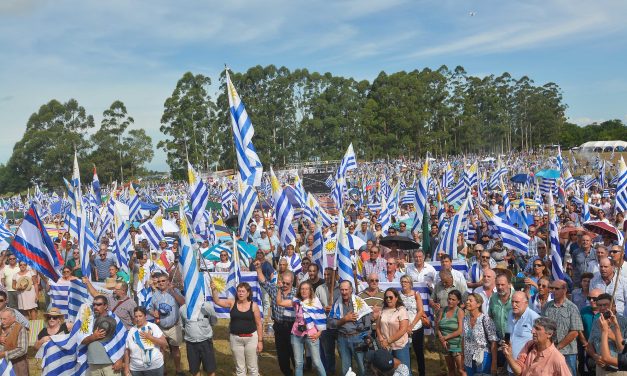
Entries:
{"x":90,"y":288}
{"x":259,"y":326}
{"x":281,"y":302}
{"x":224,"y":303}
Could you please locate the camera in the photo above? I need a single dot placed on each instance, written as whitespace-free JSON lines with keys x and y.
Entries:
{"x":607,"y":315}
{"x":366,"y":344}
{"x":302,"y":328}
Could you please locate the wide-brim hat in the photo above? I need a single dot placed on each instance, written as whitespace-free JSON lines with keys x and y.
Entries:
{"x":110,"y":283}
{"x":54,"y":311}
{"x":24,"y":283}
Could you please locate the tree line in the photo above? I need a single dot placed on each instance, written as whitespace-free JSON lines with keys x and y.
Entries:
{"x":300,"y":115}
{"x":44,"y":154}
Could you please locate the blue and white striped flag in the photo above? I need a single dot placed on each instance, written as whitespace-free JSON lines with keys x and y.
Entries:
{"x":283,"y":212}
{"x":122,"y":242}
{"x":512,"y":237}
{"x":246,"y":202}
{"x":313,"y":313}
{"x":338,"y":193}
{"x":384,"y":216}
{"x":585,"y":212}
{"x":318,"y":256}
{"x":107,"y":220}
{"x":6,"y":367}
{"x":447,"y":178}
{"x":153,"y":229}
{"x":329,"y":182}
{"x":557,"y":266}
{"x":349,"y":162}
{"x":458,"y":193}
{"x":77,"y":296}
{"x":621,"y":187}
{"x":199,"y":195}
{"x":568,"y":179}
{"x":506,"y":204}
{"x":235,"y":273}
{"x":248,"y":162}
{"x":59,"y":293}
{"x":193,"y":281}
{"x":96,"y":186}
{"x":342,"y":254}
{"x":448,"y":244}
{"x":227,"y":198}
{"x":133,"y":204}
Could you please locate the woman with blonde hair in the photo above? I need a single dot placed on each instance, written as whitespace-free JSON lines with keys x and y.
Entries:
{"x":415,"y":311}
{"x":55,"y":324}
{"x":392,"y":326}
{"x":449,"y":330}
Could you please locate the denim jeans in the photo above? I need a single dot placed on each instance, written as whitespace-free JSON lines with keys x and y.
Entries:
{"x":483,"y":368}
{"x":313,"y":349}
{"x":327,"y":344}
{"x":347,"y":353}
{"x":403,"y":355}
{"x":571,"y":362}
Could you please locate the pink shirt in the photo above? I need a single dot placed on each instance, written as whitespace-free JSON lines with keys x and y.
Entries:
{"x":300,"y":320}
{"x":549,"y":362}
{"x":390,"y":324}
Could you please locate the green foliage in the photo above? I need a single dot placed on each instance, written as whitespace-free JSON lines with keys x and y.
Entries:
{"x":188,"y":125}
{"x":45,"y":153}
{"x":119,"y":155}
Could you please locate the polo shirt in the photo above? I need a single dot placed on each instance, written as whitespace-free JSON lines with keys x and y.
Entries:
{"x":499,"y":312}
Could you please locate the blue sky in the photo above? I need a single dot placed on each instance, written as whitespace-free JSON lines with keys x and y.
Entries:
{"x":135,"y":51}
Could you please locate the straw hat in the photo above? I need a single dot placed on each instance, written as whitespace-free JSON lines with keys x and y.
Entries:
{"x":24,"y":283}
{"x":110,"y":283}
{"x":54,"y":311}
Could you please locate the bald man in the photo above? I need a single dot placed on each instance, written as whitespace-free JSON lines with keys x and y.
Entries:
{"x":487,"y":288}
{"x":520,"y":323}
{"x":569,"y":323}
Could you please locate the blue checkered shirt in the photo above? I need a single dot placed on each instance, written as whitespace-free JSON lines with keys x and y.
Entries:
{"x":279,"y":314}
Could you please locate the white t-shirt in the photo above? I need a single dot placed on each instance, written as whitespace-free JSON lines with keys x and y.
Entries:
{"x":7,"y":274}
{"x":137,"y":354}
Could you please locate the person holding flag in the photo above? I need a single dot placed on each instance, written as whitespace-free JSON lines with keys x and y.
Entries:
{"x":144,"y":342}
{"x":350,"y":315}
{"x":309,"y":325}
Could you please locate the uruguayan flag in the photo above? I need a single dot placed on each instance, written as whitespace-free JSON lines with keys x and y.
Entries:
{"x":193,"y":281}
{"x":283,"y":212}
{"x":220,"y":280}
{"x":248,"y":162}
{"x":621,"y":187}
{"x":153,"y":229}
{"x":349,"y":162}
{"x":199,"y":195}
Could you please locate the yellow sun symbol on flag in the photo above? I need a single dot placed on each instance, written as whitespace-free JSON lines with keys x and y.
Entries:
{"x":359,"y":304}
{"x":191,"y":176}
{"x":159,"y":221}
{"x":331,"y":246}
{"x":219,"y":283}
{"x":86,"y":320}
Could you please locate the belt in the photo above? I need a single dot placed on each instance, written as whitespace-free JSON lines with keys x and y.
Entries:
{"x":244,"y":335}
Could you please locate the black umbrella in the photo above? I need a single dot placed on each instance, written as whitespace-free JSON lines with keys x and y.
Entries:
{"x":402,"y":242}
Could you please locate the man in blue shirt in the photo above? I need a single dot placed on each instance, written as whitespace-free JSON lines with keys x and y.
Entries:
{"x":520,"y":323}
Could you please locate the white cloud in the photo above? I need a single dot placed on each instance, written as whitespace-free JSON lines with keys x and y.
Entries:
{"x":582,"y":121}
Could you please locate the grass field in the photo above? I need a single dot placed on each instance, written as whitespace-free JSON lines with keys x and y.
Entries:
{"x":268,"y":364}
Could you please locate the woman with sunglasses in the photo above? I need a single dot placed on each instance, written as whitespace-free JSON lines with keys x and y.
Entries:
{"x":392,"y":326}
{"x":543,"y":296}
{"x":224,"y":264}
{"x":538,"y":270}
{"x":144,"y":342}
{"x":308,"y":327}
{"x":448,"y":330}
{"x":55,"y":324}
{"x":413,"y":303}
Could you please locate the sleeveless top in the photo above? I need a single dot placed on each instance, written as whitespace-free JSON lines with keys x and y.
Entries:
{"x":412,"y":309}
{"x":448,"y":326}
{"x":242,"y":322}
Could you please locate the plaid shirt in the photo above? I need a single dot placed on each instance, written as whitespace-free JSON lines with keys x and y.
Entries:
{"x":279,"y":314}
{"x":377,"y":267}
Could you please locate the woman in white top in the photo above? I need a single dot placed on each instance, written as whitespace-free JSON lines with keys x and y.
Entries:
{"x":143,"y":355}
{"x":415,"y":310}
{"x":224,"y":264}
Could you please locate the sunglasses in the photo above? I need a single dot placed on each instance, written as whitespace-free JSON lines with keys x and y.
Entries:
{"x":485,"y":257}
{"x":163,"y":281}
{"x":555,"y":288}
{"x":391,"y":263}
{"x":373,"y":280}
{"x":537,"y":265}
{"x":613,"y":251}
{"x":98,"y":304}
{"x":52,"y":318}
{"x":543,"y":286}
{"x":2,"y":300}
{"x":389,"y":297}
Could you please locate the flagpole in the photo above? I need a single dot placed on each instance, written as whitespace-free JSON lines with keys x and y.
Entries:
{"x":265,"y":227}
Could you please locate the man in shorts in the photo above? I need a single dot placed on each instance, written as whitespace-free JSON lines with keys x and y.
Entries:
{"x":199,"y":339}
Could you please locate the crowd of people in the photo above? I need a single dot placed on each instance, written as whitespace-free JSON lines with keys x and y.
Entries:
{"x":482,"y":308}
